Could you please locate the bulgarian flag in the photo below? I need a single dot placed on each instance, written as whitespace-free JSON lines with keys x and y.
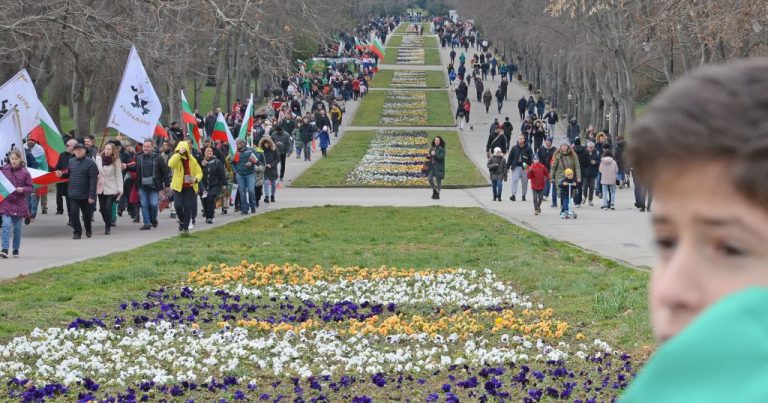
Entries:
{"x":360,"y":45}
{"x":188,"y":118}
{"x":6,"y":187}
{"x":247,"y":126}
{"x":376,"y":47}
{"x":222,"y":129}
{"x":48,"y":136}
{"x":160,"y":131}
{"x":44,"y":178}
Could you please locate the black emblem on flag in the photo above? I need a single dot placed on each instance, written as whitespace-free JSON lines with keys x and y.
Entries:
{"x":139,"y":102}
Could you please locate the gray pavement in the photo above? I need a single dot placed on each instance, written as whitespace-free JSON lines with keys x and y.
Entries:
{"x":623,"y":235}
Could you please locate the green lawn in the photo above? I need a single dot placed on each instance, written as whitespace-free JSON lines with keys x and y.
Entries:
{"x":597,"y":297}
{"x":439,"y":111}
{"x":344,"y":157}
{"x":382,"y":79}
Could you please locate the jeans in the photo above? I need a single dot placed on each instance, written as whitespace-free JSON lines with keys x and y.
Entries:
{"x":184,"y":202}
{"x":519,"y":175}
{"x":499,"y":104}
{"x":551,"y":130}
{"x":564,"y":203}
{"x":9,"y":221}
{"x":641,"y":194}
{"x":270,"y":187}
{"x":33,"y":200}
{"x":78,"y":206}
{"x":496,"y":186}
{"x":588,"y":187}
{"x":308,"y":151}
{"x":537,"y":198}
{"x":434,"y":182}
{"x":609,"y":190}
{"x":553,"y":192}
{"x":105,"y":203}
{"x":149,"y":200}
{"x":246,"y":191}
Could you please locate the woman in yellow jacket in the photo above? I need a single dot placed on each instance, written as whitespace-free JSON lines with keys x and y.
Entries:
{"x":186,"y":175}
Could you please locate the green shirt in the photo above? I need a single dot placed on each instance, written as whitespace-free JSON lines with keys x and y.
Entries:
{"x":722,"y":356}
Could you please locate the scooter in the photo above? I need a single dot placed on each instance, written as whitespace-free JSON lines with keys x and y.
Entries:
{"x":569,"y":213}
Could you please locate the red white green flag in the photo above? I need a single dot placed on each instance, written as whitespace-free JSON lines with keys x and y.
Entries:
{"x":160,"y":131}
{"x":245,"y":128}
{"x":48,"y":136}
{"x":188,"y":117}
{"x":377,"y":48}
{"x":222,"y":127}
{"x":6,"y":187}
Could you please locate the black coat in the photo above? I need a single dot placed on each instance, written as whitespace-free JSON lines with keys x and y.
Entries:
{"x":545,"y":156}
{"x":592,"y":167}
{"x":271,"y":158}
{"x":494,"y":141}
{"x":214,"y":177}
{"x":82,"y":174}
{"x":519,"y":155}
{"x":160,"y":170}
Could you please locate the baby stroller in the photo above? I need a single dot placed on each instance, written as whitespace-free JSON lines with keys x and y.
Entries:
{"x":569,"y":213}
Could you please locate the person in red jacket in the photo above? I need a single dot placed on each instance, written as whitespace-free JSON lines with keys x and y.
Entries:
{"x":539,"y":176}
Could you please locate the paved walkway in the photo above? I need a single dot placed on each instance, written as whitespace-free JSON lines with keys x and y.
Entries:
{"x":623,"y":235}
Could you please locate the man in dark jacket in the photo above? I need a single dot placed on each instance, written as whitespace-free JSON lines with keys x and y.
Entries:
{"x":522,"y":104}
{"x":573,"y":130}
{"x":151,"y":177}
{"x":210,"y":123}
{"x":284,"y":146}
{"x":81,"y":191}
{"x":61,"y":188}
{"x":496,"y":139}
{"x":581,"y":155}
{"x":589,"y":172}
{"x":520,"y":156}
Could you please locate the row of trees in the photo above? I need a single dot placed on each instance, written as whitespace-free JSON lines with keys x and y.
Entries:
{"x":597,"y":59}
{"x":75,"y":50}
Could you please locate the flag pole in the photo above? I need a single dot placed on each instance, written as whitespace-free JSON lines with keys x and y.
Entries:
{"x":17,"y":121}
{"x":103,"y":138}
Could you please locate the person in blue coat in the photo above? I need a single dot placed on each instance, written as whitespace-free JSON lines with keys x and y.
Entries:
{"x":325,"y":140}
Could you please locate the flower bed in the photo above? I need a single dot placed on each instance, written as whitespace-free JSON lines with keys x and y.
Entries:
{"x":412,"y":41}
{"x":409,"y":79}
{"x":254,"y":332}
{"x":410,"y":56}
{"x":404,"y":108}
{"x":394,"y":158}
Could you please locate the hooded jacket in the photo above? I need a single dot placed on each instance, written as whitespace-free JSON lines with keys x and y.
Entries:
{"x":271,"y":158}
{"x":176,"y":163}
{"x":561,"y":161}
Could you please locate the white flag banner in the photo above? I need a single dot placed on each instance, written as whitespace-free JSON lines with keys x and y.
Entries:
{"x":20,"y":92}
{"x":137,"y":107}
{"x":10,"y":135}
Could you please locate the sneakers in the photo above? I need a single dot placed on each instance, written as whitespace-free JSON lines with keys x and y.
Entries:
{"x":16,"y":251}
{"x":253,"y":210}
{"x":145,"y":227}
{"x":154,"y":223}
{"x":208,"y":221}
{"x":512,"y":198}
{"x":523,"y":198}
{"x":272,"y":198}
{"x":563,"y":215}
{"x":536,"y":212}
{"x":4,"y":253}
{"x":590,"y":203}
{"x":191,"y":225}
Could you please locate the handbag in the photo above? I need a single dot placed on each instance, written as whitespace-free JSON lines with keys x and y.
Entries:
{"x":148,"y":181}
{"x":425,"y":167}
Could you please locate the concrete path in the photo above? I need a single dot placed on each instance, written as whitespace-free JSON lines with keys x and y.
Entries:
{"x":623,"y":234}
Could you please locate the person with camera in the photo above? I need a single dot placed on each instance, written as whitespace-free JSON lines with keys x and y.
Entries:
{"x":184,"y":183}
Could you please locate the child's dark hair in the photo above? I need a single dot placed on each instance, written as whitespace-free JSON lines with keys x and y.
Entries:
{"x":692,"y":121}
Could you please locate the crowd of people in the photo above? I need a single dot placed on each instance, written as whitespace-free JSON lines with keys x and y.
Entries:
{"x":583,"y":166}
{"x":172,"y":171}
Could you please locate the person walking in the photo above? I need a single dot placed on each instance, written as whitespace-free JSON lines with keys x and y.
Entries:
{"x":187,"y":174}
{"x":609,"y":171}
{"x":540,"y":106}
{"x":499,"y":99}
{"x":306,"y":136}
{"x":83,"y":175}
{"x":109,"y":187}
{"x":15,"y":178}
{"x":271,"y":159}
{"x":531,"y":105}
{"x":151,"y":177}
{"x":487,"y":98}
{"x":336,"y":115}
{"x":283,"y":141}
{"x":546,"y":152}
{"x":61,"y":188}
{"x":243,"y":166}
{"x":324,"y":138}
{"x":214,"y":180}
{"x":522,"y":104}
{"x":551,"y":119}
{"x":563,"y":159}
{"x":573,"y":130}
{"x":539,"y":176}
{"x":520,"y":156}
{"x":591,"y":169}
{"x":497,"y":168}
{"x":436,"y":172}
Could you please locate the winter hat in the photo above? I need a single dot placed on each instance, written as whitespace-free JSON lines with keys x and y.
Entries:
{"x":577,"y":141}
{"x":496,"y":150}
{"x":550,"y":139}
{"x":535,"y":157}
{"x":325,"y":128}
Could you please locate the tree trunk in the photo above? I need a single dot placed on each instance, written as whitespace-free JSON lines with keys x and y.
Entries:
{"x":79,"y":104}
{"x":221,"y":67}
